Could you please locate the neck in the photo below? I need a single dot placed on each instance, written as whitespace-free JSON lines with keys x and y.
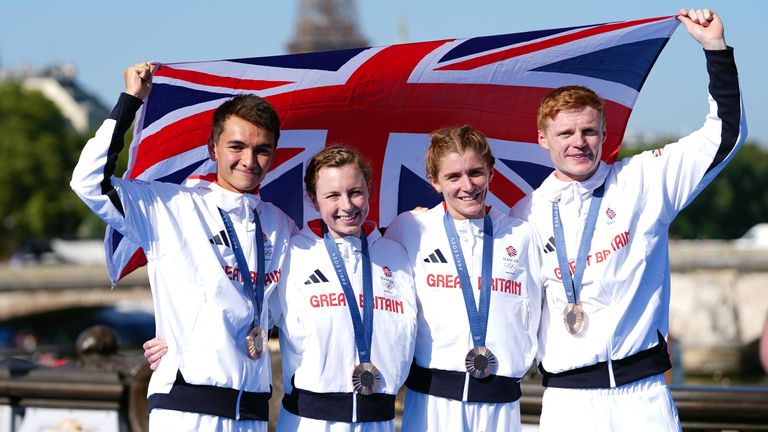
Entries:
{"x":567,"y":178}
{"x":337,"y":235}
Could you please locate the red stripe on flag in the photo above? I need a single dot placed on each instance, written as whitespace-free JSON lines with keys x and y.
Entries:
{"x":137,"y":260}
{"x":283,"y":155}
{"x":203,"y":78}
{"x":542,"y":45}
{"x":178,"y":137}
{"x":504,"y":189}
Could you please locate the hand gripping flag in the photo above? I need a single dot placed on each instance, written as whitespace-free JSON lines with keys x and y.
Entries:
{"x":385,"y":101}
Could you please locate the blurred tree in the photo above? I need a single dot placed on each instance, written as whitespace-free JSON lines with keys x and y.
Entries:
{"x":733,"y":203}
{"x":38,"y":150}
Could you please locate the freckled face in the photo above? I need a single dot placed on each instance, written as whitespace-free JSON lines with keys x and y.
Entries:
{"x":574,"y":139}
{"x":341,"y":197}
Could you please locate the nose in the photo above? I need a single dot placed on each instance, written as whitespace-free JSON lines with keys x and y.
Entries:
{"x":345,"y":203}
{"x":246,"y":159}
{"x":465,"y":183}
{"x":581,"y":139}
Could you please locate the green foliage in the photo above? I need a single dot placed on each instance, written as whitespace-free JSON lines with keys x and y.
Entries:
{"x":734,"y":202}
{"x":38,"y":150}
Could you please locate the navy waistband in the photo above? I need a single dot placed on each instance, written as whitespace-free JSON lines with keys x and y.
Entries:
{"x":450,"y":385}
{"x":338,"y":406}
{"x":646,"y":363}
{"x":212,"y":400}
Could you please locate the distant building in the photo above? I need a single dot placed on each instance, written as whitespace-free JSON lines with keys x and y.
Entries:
{"x":324,"y":25}
{"x":83,"y":110}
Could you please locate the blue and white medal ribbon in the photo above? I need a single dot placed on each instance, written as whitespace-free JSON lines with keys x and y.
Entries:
{"x":366,"y":378}
{"x":574,"y":318}
{"x":256,"y":340}
{"x":480,"y":361}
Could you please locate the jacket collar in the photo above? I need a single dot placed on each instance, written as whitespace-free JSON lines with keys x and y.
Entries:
{"x":554,"y":189}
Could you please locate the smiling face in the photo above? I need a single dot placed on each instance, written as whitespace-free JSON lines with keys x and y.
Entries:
{"x":341,"y":197}
{"x":463,"y":179}
{"x":243,"y":154}
{"x":574,"y":139}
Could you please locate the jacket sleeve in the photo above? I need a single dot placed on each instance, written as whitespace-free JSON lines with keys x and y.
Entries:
{"x":92,"y":179}
{"x":684,"y":168}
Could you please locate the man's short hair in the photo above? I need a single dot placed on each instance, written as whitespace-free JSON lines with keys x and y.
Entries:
{"x":249,"y":107}
{"x":456,"y":140}
{"x":568,"y":98}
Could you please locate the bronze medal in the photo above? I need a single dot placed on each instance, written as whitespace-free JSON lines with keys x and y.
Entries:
{"x":574,"y":318}
{"x":256,"y":343}
{"x":366,"y":379}
{"x":480,"y":362}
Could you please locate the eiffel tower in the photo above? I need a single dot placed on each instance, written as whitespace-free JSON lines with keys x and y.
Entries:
{"x":326,"y":25}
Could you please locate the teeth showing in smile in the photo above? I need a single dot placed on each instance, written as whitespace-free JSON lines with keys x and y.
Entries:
{"x":347,"y":218}
{"x":472,"y":197}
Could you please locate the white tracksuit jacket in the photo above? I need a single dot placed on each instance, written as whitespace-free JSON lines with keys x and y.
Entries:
{"x":444,"y":338}
{"x":201,"y":307}
{"x":317,"y":339}
{"x":626,"y":283}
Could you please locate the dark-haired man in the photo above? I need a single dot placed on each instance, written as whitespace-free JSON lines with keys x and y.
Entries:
{"x":214,"y":256}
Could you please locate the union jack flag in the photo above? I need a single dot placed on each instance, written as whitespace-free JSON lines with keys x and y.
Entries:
{"x":385,"y":101}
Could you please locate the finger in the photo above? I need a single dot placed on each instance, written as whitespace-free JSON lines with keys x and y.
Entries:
{"x":703,"y":15}
{"x":149,"y":344}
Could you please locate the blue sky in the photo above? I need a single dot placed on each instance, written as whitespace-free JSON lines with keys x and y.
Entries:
{"x":102,"y":38}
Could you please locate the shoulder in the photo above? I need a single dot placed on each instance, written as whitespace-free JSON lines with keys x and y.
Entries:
{"x":277,"y":216}
{"x":386,"y":247}
{"x":305,"y":239}
{"x":505,"y":225}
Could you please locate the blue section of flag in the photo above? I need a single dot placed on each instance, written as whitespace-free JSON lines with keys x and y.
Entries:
{"x":325,"y":60}
{"x":414,"y":192}
{"x":600,"y":63}
{"x":287,"y":193}
{"x":180,"y":175}
{"x":116,"y":238}
{"x":166,"y":98}
{"x":487,"y":43}
{"x":632,"y":58}
{"x":533,"y":173}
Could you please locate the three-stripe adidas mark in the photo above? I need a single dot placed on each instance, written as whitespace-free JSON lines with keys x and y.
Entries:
{"x":436,"y":257}
{"x":550,"y":246}
{"x":220,"y":239}
{"x":316,"y":277}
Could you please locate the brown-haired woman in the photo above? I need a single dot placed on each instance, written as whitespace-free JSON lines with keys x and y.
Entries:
{"x":343,"y":360}
{"x":478,"y":289}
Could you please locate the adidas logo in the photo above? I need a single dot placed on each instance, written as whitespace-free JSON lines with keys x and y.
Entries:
{"x":550,"y":246}
{"x":316,"y":277}
{"x":436,"y":257}
{"x":220,"y":239}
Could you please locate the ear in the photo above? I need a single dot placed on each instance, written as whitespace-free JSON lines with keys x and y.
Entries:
{"x":211,"y":149}
{"x":435,"y":184}
{"x":542,"y":137}
{"x":313,"y":199}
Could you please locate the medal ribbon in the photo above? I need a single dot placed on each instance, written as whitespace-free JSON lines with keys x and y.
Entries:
{"x":363,"y":327}
{"x":257,"y":292}
{"x":572,"y":285}
{"x":478,"y":316}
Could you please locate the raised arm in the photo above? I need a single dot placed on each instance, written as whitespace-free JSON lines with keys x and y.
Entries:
{"x":92,"y":178}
